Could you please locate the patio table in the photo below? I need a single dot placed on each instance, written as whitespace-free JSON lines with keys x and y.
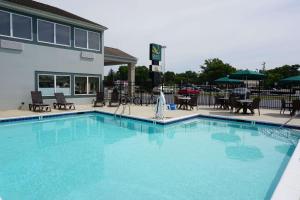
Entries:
{"x":184,"y":103}
{"x":245,"y":105}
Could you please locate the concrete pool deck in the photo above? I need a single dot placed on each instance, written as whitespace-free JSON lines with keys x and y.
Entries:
{"x":147,"y":112}
{"x":287,"y":188}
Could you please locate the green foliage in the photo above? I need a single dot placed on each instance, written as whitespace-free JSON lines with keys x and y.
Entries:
{"x":109,"y":79}
{"x":278,"y":73}
{"x":187,"y":77}
{"x":214,"y":69}
{"x":122,"y":73}
{"x":169,"y":78}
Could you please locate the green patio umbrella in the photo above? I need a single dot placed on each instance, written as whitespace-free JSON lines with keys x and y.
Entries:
{"x":293,"y":80}
{"x":290,"y":81}
{"x":247,"y":75}
{"x":227,"y":80}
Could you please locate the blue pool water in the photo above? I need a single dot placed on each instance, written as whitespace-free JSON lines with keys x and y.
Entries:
{"x":95,"y":156}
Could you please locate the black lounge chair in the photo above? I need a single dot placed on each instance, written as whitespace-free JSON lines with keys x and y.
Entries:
{"x":193,"y":102}
{"x":99,"y":102}
{"x":295,"y":107}
{"x":114,"y":100}
{"x":255,"y":105}
{"x":61,"y":102}
{"x":37,"y":102}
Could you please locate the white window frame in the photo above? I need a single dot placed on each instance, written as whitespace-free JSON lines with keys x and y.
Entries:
{"x":87,"y":38}
{"x":54,"y":43}
{"x":87,"y":84}
{"x":54,"y":75}
{"x":99,"y":40}
{"x":11,"y":26}
{"x":87,"y":41}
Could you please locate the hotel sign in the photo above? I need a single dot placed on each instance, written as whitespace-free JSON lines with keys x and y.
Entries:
{"x":155,"y":52}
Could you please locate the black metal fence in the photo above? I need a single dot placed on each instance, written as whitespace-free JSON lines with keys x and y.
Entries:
{"x":270,"y":99}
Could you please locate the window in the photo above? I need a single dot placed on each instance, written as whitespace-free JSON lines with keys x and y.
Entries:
{"x":87,"y":39}
{"x":45,"y":31}
{"x":21,"y":26}
{"x":48,"y":84}
{"x":93,"y":85}
{"x":80,"y":85}
{"x":63,"y":84}
{"x":4,"y":23}
{"x":87,"y":85}
{"x":16,"y":26}
{"x":94,"y":40}
{"x":63,"y":34}
{"x":80,"y":38}
{"x":54,"y":33}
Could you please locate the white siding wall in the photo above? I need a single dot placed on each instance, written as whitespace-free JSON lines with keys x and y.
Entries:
{"x":17,"y":77}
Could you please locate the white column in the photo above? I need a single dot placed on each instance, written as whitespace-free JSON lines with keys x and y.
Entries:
{"x":131,"y":79}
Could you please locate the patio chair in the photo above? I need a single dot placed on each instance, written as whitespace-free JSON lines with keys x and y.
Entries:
{"x":255,"y":105}
{"x":284,"y":106}
{"x":37,"y":102}
{"x":177,"y":101}
{"x":234,"y":104}
{"x":295,"y":107}
{"x":99,"y":100}
{"x":114,"y":100}
{"x":218,"y":101}
{"x":193,"y":102}
{"x":61,"y":102}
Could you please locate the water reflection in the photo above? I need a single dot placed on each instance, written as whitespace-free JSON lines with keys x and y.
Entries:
{"x":285,"y":149}
{"x":226,"y":137}
{"x":243,"y":153}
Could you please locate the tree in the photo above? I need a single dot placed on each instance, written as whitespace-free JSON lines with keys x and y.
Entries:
{"x":169,"y":78}
{"x":213,"y":69}
{"x":278,"y":73}
{"x":122,"y":73}
{"x":110,"y":78}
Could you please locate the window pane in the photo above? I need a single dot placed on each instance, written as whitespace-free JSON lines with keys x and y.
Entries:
{"x":80,"y":38}
{"x":81,"y":85}
{"x":46,"y":31}
{"x":63,"y":84}
{"x":4,"y":23}
{"x":21,"y":26}
{"x":46,"y":85}
{"x":62,"y":34}
{"x":94,"y":40}
{"x":93,"y":85}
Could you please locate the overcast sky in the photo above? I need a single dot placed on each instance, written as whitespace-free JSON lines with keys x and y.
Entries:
{"x":244,"y":33}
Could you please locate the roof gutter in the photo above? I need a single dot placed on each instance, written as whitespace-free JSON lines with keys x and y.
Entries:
{"x":52,"y":16}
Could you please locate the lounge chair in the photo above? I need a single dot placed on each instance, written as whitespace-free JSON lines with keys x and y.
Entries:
{"x":295,"y":107}
{"x":61,"y":102}
{"x":114,"y":100}
{"x":193,"y":102}
{"x":37,"y":102}
{"x":99,"y":100}
{"x":255,"y":105}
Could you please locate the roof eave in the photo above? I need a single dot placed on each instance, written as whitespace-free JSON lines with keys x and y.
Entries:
{"x":52,"y":16}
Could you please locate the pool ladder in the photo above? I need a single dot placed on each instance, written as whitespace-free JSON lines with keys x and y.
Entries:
{"x":124,"y":106}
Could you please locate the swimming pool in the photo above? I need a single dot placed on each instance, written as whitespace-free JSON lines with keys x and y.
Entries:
{"x":96,"y":156}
